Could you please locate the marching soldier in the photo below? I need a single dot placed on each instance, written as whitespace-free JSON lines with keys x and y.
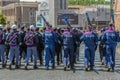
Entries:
{"x":102,"y":48}
{"x":31,"y":40}
{"x":110,"y":37}
{"x":68,"y":46}
{"x":75,"y":43}
{"x":14,"y":40}
{"x":40,"y":46}
{"x":7,"y":47}
{"x":58,"y":45}
{"x":90,"y":40}
{"x":2,"y":46}
{"x":79,"y":34}
{"x":23,"y":47}
{"x":49,"y":41}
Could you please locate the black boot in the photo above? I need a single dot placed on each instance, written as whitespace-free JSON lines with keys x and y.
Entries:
{"x":86,"y":68}
{"x":91,"y":68}
{"x":47,"y":68}
{"x":112,"y":69}
{"x":65,"y":68}
{"x":109,"y":68}
{"x":25,"y":67}
{"x":53,"y":67}
{"x":68,"y":65}
{"x":58,"y":63}
{"x":41,"y":63}
{"x":17,"y":67}
{"x":10,"y":66}
{"x":3,"y":65}
{"x":35,"y":67}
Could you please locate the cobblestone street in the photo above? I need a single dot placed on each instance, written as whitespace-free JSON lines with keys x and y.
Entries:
{"x":99,"y":73}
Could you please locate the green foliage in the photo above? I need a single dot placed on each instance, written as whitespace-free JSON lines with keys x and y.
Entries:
{"x":87,"y":2}
{"x":3,"y":19}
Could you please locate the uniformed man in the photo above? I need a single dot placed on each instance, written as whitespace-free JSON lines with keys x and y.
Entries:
{"x":58,"y":45}
{"x":23,"y":46}
{"x":40,"y":46}
{"x":49,"y":41}
{"x":68,"y":46}
{"x":102,"y":48}
{"x":110,"y":37}
{"x":2,"y":46}
{"x":74,"y":32}
{"x":79,"y":34}
{"x":14,"y":41}
{"x":31,"y":40}
{"x":7,"y":47}
{"x":90,"y":40}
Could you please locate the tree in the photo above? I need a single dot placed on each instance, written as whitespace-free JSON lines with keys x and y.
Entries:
{"x":3,"y":19}
{"x":87,"y":2}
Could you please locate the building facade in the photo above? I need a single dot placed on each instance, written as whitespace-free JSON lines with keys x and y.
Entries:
{"x":55,"y":10}
{"x":6,"y":2}
{"x":117,"y":14}
{"x":20,"y":13}
{"x":50,"y":9}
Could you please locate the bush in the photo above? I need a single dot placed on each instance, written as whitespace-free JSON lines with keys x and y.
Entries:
{"x":3,"y":19}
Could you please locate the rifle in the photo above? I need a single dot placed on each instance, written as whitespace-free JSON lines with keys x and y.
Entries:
{"x":88,"y":20}
{"x":67,"y":22}
{"x":45,"y":21}
{"x":112,"y":17}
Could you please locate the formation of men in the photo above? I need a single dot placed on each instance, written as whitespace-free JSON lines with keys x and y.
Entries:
{"x":31,"y":44}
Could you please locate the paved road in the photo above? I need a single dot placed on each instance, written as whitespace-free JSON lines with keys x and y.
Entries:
{"x":99,"y":73}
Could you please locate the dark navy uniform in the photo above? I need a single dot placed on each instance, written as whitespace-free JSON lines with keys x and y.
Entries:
{"x":49,"y":41}
{"x":23,"y":47}
{"x":68,"y":45}
{"x":102,"y":49}
{"x":110,"y":37}
{"x":90,"y":40}
{"x":40,"y":46}
{"x":2,"y":46}
{"x":7,"y":47}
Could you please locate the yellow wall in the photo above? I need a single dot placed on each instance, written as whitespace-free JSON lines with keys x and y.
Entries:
{"x":117,"y":21}
{"x":117,"y":14}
